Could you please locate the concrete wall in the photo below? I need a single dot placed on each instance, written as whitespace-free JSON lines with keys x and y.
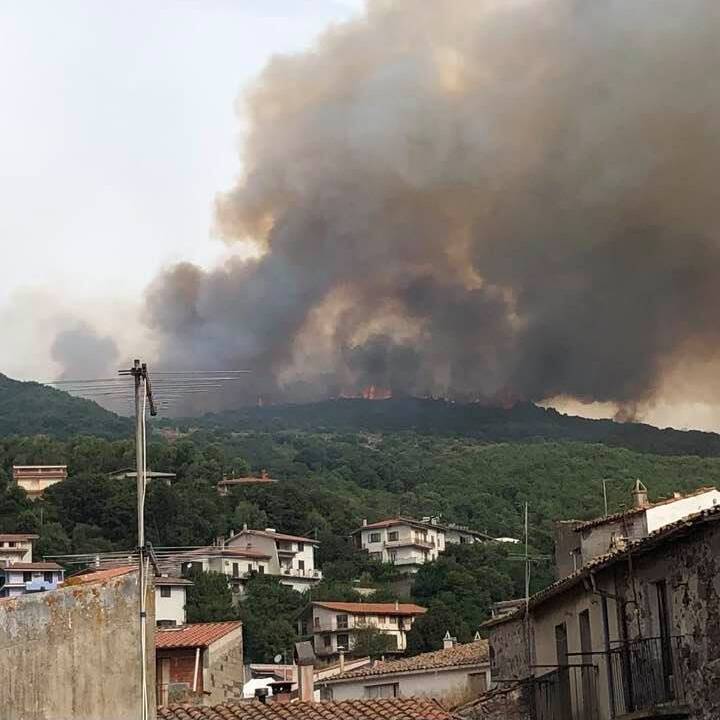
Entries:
{"x":74,"y":653}
{"x":452,"y":684}
{"x":596,"y":541}
{"x":568,"y":556}
{"x":223,"y":670}
{"x":508,"y":651}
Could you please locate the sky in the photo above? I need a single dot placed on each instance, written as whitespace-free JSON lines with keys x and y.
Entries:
{"x":120,"y":124}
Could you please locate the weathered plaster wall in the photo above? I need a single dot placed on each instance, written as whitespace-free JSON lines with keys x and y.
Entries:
{"x":508,"y":651}
{"x":74,"y":653}
{"x":223,"y":670}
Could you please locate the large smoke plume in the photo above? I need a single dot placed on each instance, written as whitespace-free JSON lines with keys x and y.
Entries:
{"x":472,"y":198}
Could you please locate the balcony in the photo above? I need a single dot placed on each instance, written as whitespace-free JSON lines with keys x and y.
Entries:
{"x":648,"y":677}
{"x":294,"y":572}
{"x":406,"y":542}
{"x":567,"y":692}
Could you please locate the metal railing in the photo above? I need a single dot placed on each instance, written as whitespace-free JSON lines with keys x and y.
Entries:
{"x":647,"y":673}
{"x":568,"y":692}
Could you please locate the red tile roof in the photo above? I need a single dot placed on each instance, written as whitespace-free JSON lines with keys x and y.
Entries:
{"x":473,"y":653}
{"x":195,"y":634}
{"x":11,"y":537}
{"x":33,"y":566}
{"x":276,"y":535}
{"x":412,"y":708}
{"x":372,"y":608}
{"x":99,"y":575}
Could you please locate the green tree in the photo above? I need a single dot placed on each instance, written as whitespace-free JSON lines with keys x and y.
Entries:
{"x":209,"y":598}
{"x":369,"y":641}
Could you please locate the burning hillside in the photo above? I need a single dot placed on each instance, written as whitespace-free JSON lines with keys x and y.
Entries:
{"x":479,"y":199}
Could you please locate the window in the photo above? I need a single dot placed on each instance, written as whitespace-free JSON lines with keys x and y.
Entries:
{"x":393,"y":620}
{"x":250,"y":568}
{"x":392,"y":556}
{"x":236,"y":569}
{"x":381,"y":691}
{"x":301,"y":547}
{"x":375,"y":537}
{"x":327,"y":641}
{"x":316,"y":622}
{"x":342,"y":622}
{"x":27,"y":577}
{"x":165,"y":591}
{"x":261,"y":569}
{"x":381,"y":619}
{"x":301,"y":564}
{"x":393,"y":536}
{"x":463,"y":539}
{"x":11,"y":543}
{"x":343,"y":641}
{"x":48,"y":577}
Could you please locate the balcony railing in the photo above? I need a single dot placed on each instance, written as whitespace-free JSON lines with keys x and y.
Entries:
{"x":647,"y":673}
{"x":568,"y":692}
{"x":294,"y":572}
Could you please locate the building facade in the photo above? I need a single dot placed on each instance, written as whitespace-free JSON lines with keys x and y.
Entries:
{"x":200,"y":663}
{"x":408,"y":543}
{"x":290,"y":557}
{"x":455,"y":673}
{"x":15,"y":548}
{"x":633,"y":634}
{"x":336,"y":626}
{"x":35,"y":479}
{"x":21,"y":578}
{"x":170,"y":600}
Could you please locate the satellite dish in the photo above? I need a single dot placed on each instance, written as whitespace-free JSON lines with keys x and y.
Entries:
{"x":277,"y":658}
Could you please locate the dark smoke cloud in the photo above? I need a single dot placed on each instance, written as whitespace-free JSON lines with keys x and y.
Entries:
{"x":84,"y":354}
{"x":473,"y":198}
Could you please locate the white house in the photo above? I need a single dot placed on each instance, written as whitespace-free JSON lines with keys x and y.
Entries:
{"x":409,"y":543}
{"x":170,"y":600}
{"x":334,"y":625}
{"x":456,"y":672}
{"x":35,"y":479}
{"x":579,"y":542}
{"x":20,"y":578}
{"x":16,"y":547}
{"x":291,"y":557}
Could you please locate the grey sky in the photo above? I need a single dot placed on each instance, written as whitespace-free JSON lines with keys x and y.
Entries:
{"x":119,"y":125}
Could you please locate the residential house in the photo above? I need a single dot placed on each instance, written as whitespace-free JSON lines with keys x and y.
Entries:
{"x":35,"y":479}
{"x":409,"y":543}
{"x":16,"y":547}
{"x":200,"y":663}
{"x":632,"y":634}
{"x":334,"y":626}
{"x":129,"y":474}
{"x":237,"y":563}
{"x":450,"y":675}
{"x":579,"y":542}
{"x":21,"y":578}
{"x":228,"y":483}
{"x":291,"y":557}
{"x":382,"y":709}
{"x":170,"y":600}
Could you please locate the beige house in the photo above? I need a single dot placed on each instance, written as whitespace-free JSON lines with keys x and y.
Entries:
{"x":35,"y":479}
{"x":451,"y":674}
{"x":632,"y":634}
{"x":334,"y":626}
{"x":579,"y":542}
{"x":20,"y":578}
{"x":409,"y":543}
{"x":16,"y":547}
{"x":290,"y":557}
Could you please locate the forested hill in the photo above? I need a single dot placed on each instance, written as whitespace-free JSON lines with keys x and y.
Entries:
{"x":28,"y":408}
{"x":524,"y":422}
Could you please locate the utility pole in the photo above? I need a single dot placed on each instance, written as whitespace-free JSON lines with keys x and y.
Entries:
{"x":143,"y":397}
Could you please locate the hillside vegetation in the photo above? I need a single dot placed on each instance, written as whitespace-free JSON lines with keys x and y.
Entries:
{"x":28,"y":408}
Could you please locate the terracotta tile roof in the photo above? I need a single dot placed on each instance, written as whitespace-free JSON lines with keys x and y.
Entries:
{"x":630,"y":512}
{"x":85,"y":576}
{"x":33,"y":566}
{"x":673,"y":531}
{"x":372,"y":608}
{"x":277,"y":536}
{"x":14,"y":537}
{"x":473,"y":653}
{"x":382,"y":709}
{"x":195,"y":634}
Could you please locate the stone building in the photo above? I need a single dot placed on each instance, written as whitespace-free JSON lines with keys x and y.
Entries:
{"x":634,"y":633}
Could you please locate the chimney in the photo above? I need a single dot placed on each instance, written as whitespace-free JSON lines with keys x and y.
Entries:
{"x":341,"y":650}
{"x":640,"y":495}
{"x":397,"y":605}
{"x":305,"y":660}
{"x":261,"y":695}
{"x":281,"y":691}
{"x":364,"y":522}
{"x":676,"y":496}
{"x":270,"y":530}
{"x":220,"y":541}
{"x":245,"y":527}
{"x":448,"y":641}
